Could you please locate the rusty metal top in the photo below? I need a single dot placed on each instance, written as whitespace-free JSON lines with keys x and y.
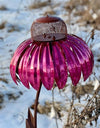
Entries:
{"x":48,"y":28}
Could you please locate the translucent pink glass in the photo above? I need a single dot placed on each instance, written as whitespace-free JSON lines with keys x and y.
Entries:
{"x":43,"y":59}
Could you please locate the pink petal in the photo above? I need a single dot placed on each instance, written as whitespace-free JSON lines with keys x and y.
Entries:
{"x":73,"y":64}
{"x":46,"y":67}
{"x":22,"y":68}
{"x":33,"y":70}
{"x":84,"y":57}
{"x":23,"y":45}
{"x":17,"y":55}
{"x":79,"y":40}
{"x":83,"y":43}
{"x":60,"y":66}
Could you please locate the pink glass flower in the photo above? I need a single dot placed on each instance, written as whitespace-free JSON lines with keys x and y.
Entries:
{"x":50,"y":55}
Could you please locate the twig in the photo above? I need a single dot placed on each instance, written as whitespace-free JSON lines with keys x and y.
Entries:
{"x":54,"y":107}
{"x":92,"y":35}
{"x":69,"y":113}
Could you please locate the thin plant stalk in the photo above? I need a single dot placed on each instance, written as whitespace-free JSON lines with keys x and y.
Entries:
{"x":54,"y":108}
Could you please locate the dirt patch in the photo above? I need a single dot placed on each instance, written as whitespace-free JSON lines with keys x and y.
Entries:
{"x":2,"y":8}
{"x":1,"y":100}
{"x":4,"y":80}
{"x":2,"y":25}
{"x":12,"y":96}
{"x":12,"y":28}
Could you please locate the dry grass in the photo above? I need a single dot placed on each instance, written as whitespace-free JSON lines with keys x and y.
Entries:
{"x":46,"y":108}
{"x":38,"y":4}
{"x":90,"y":112}
{"x":49,"y":11}
{"x":87,"y":11}
{"x":82,"y":90}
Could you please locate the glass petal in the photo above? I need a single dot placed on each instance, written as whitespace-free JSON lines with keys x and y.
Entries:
{"x":84,"y":57}
{"x":83,"y":43}
{"x":17,"y":55}
{"x":46,"y":67}
{"x":23,"y":64}
{"x":60,"y":66}
{"x":74,"y":67}
{"x":33,"y":70}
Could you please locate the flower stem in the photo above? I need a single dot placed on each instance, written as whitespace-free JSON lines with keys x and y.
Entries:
{"x":35,"y":107}
{"x":31,"y":122}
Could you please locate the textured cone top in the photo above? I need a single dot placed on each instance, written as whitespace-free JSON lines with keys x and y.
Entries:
{"x":48,"y":29}
{"x":51,"y":59}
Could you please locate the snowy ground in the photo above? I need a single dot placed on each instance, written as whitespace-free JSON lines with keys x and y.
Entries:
{"x":16,"y":99}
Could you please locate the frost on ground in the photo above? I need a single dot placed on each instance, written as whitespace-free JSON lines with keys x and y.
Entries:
{"x":16,"y":17}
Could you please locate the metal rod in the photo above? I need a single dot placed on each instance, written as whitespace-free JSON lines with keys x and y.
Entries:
{"x":35,"y":107}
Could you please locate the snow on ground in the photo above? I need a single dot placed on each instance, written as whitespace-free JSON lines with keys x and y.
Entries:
{"x":14,"y":112}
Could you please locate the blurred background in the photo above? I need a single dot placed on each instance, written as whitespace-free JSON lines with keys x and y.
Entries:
{"x":82,"y":18}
